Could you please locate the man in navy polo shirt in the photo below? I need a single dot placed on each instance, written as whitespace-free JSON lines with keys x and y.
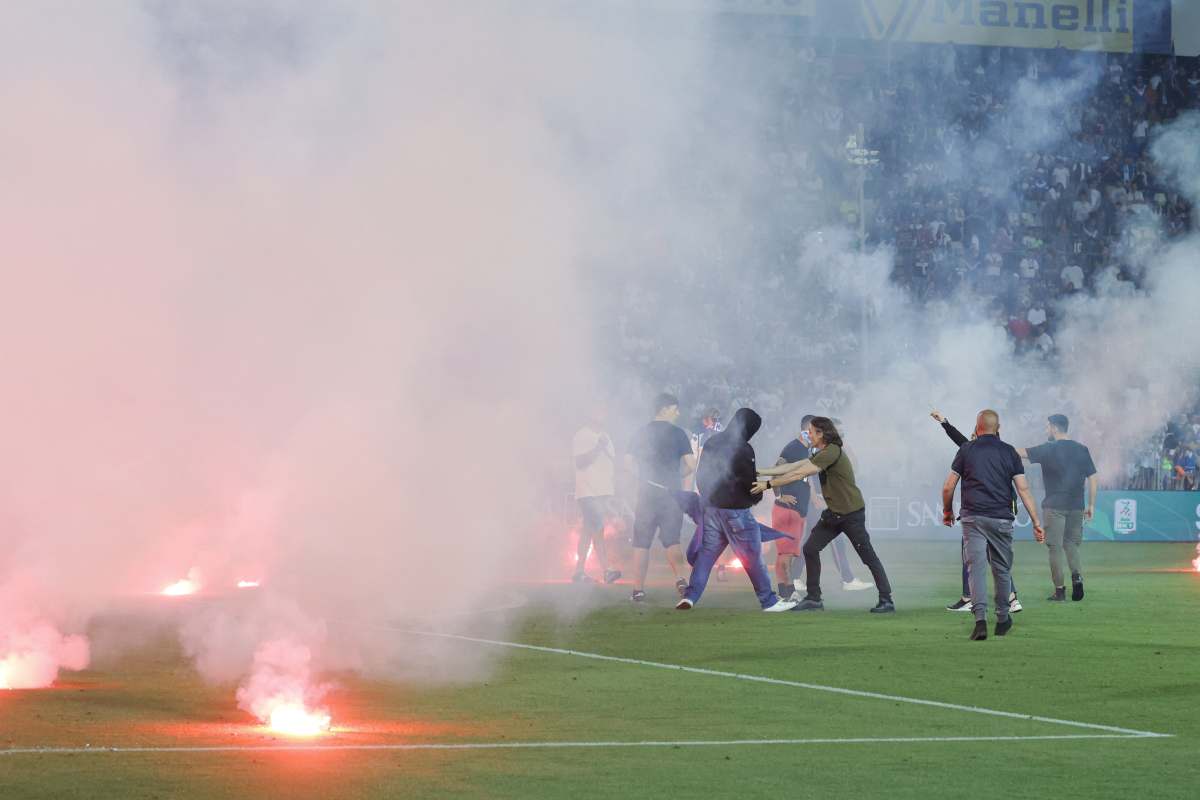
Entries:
{"x":988,"y":469}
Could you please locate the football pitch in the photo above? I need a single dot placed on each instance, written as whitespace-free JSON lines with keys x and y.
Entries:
{"x":1082,"y":700}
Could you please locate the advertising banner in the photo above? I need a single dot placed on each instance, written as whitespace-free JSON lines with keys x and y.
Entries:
{"x":1074,"y":24}
{"x":1120,"y":517}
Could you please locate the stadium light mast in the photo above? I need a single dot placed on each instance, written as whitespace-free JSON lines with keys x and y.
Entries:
{"x":858,"y":156}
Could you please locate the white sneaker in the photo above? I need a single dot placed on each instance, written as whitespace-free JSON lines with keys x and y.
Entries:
{"x":781,"y":605}
{"x":684,"y":605}
{"x":1014,"y":606}
{"x":856,"y":585}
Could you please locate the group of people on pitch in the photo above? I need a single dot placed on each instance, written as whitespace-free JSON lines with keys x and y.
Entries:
{"x":729,"y":483}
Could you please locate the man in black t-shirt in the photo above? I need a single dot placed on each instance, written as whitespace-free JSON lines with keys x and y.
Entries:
{"x":662,"y":454}
{"x":988,"y":469}
{"x":963,"y":603}
{"x":1066,"y":467}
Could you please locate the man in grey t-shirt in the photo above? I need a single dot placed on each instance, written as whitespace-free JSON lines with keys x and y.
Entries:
{"x":1066,"y":466}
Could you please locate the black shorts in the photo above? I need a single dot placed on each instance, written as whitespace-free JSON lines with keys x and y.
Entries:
{"x":594,"y":510}
{"x":657,"y":512}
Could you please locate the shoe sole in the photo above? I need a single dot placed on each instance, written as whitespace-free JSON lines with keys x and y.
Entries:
{"x":798,"y":608}
{"x":884,"y":611}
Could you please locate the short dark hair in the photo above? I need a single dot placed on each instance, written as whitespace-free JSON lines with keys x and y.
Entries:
{"x":665,"y":400}
{"x":1060,"y":422}
{"x":829,"y":431}
{"x":807,"y":418}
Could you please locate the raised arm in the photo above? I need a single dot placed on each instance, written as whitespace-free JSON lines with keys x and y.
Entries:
{"x":1026,"y":496}
{"x":954,"y":433}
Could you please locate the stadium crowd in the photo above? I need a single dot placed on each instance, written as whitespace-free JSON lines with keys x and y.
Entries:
{"x":1021,"y":174}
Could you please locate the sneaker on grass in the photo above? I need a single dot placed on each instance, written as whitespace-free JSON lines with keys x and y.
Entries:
{"x":781,"y":605}
{"x":884,"y":606}
{"x":684,"y":605}
{"x":808,"y":604}
{"x":638,"y":596}
{"x":856,"y":585}
{"x":961,"y":604}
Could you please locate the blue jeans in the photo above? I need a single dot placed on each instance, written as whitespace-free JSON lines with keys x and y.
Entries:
{"x":737,"y":529}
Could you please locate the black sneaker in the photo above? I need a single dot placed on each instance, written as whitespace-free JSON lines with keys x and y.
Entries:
{"x":1002,"y":626}
{"x":1076,"y":587}
{"x":884,"y":606}
{"x":785,"y":591}
{"x":638,"y":596}
{"x":808,"y":604}
{"x":1060,"y":594}
{"x":612,"y":575}
{"x":980,"y":632}
{"x":961,"y":604}
{"x":681,"y":587}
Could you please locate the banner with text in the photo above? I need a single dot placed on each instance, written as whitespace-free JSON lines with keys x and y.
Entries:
{"x":1120,"y":517}
{"x":1074,"y":24}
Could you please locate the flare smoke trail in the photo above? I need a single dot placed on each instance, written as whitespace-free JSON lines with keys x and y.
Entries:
{"x":312,"y":293}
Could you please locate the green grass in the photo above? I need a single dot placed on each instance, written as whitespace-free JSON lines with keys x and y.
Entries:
{"x":1128,"y":656}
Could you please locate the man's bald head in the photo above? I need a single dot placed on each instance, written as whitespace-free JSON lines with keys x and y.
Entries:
{"x":988,"y":421}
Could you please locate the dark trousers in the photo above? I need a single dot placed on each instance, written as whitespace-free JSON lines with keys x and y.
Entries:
{"x":854,"y":525}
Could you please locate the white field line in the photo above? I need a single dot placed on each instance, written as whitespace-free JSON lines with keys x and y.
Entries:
{"x":234,"y":748}
{"x":1127,"y":732}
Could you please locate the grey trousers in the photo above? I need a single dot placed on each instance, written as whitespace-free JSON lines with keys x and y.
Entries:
{"x":988,"y":540}
{"x":1064,"y":533}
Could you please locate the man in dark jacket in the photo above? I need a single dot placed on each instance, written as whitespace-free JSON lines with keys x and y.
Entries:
{"x":724,"y":478}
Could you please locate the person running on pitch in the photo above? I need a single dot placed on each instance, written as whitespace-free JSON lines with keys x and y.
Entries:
{"x":988,"y":468}
{"x":963,"y":603}
{"x":1066,"y":466}
{"x":725,"y":479}
{"x":845,"y":512}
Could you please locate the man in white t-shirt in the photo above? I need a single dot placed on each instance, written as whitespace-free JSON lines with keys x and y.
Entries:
{"x":595,"y":489}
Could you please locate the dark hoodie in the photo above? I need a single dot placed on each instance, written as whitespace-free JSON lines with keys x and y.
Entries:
{"x":727,"y":469}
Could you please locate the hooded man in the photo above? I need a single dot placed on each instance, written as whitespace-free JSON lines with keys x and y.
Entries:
{"x":725,"y":478}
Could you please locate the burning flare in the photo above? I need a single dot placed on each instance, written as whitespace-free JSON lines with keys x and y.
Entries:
{"x":280,"y":690}
{"x":189,"y":585}
{"x":30,"y":658}
{"x":248,"y":584}
{"x":295,"y":720}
